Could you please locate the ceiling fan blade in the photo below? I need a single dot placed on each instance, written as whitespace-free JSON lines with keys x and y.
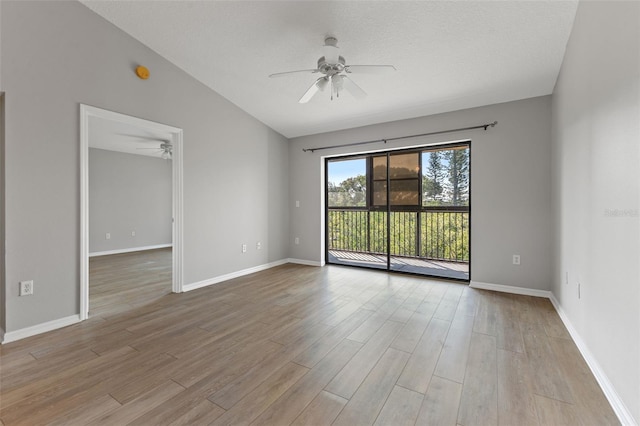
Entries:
{"x":145,"y":138}
{"x":318,"y":85}
{"x":351,"y":87}
{"x":370,"y":69}
{"x":282,"y":74}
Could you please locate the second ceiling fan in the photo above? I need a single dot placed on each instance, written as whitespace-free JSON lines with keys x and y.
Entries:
{"x":335,"y":72}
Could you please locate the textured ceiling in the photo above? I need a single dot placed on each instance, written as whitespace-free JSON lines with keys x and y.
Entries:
{"x":449,"y":55}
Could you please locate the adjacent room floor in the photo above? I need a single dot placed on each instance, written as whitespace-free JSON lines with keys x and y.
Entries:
{"x":306,"y":345}
{"x":122,"y":282}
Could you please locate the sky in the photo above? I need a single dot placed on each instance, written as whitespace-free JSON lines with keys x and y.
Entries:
{"x":339,"y":171}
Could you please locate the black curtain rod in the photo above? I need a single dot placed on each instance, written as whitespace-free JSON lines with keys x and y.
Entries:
{"x":481,"y":126}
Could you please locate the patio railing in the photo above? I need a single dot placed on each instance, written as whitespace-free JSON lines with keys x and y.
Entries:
{"x":428,"y":234}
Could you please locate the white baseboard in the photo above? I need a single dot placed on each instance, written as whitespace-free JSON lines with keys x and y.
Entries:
{"x":232,"y":275}
{"x":305,"y":262}
{"x":510,"y":289}
{"x":12,"y":336}
{"x":129,"y":250}
{"x":610,"y":393}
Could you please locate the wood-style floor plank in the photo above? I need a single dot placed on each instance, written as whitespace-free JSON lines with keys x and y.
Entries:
{"x":353,"y":374}
{"x":515,"y":390}
{"x":509,"y":333}
{"x":365,"y":405}
{"x":479,"y":400}
{"x":401,"y":408}
{"x":455,"y":352}
{"x":441,"y":403}
{"x":203,"y":413}
{"x":180,"y":409}
{"x":254,"y":403}
{"x":423,"y":359}
{"x":140,"y":405}
{"x":554,"y":412}
{"x":591,"y":404}
{"x":23,"y":399}
{"x":547,"y":378}
{"x":89,"y":412}
{"x":325,"y":344}
{"x":299,"y":345}
{"x":411,"y":333}
{"x":323,"y":410}
{"x":296,"y":398}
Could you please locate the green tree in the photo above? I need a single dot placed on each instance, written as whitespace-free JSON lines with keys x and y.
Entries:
{"x":351,"y":192}
{"x":432,"y":178}
{"x":458,"y":175}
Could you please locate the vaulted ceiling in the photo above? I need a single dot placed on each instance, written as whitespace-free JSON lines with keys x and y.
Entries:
{"x":449,"y":55}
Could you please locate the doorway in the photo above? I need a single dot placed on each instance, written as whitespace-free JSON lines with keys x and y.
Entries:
{"x":404,"y":211}
{"x":127,"y":135}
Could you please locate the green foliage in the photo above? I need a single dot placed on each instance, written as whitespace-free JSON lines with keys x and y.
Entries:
{"x":351,"y":192}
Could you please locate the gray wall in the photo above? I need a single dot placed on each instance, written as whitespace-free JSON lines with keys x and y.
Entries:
{"x":127,"y":193}
{"x":596,"y":132}
{"x":56,"y":55}
{"x":510,"y":186}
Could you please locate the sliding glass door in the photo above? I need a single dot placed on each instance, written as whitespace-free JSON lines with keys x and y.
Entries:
{"x":405,"y":211}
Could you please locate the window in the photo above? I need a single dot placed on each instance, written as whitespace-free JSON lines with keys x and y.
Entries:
{"x":445,"y":177}
{"x":404,"y":179}
{"x":347,"y":183}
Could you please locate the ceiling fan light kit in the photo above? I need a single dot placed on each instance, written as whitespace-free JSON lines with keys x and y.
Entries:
{"x":166,"y":151}
{"x":335,"y":69}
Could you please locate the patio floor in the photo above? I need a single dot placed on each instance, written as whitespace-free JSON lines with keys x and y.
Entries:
{"x":456,"y":270}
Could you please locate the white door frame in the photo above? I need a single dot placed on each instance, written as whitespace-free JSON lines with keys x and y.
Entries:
{"x":86,"y":112}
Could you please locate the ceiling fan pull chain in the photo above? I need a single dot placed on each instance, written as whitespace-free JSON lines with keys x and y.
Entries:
{"x":331,"y":85}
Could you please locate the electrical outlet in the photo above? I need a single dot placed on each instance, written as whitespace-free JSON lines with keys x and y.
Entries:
{"x":258,"y":245}
{"x":244,"y":248}
{"x":26,"y":288}
{"x":297,"y":203}
{"x":133,"y":233}
{"x":297,"y":240}
{"x":516,"y":259}
{"x":107,"y":236}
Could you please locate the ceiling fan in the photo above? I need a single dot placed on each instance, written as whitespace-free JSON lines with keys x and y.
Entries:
{"x":335,"y":70}
{"x":165,"y":148}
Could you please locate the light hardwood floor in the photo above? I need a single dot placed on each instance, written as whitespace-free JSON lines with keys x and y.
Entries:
{"x":304,"y":345}
{"x":123,"y":282}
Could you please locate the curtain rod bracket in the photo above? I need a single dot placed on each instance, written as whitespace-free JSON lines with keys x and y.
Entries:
{"x":490,"y":125}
